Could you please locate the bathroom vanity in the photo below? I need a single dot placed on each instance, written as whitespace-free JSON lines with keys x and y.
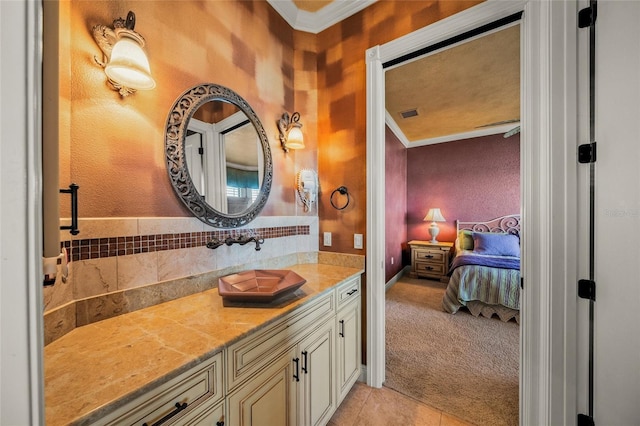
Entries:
{"x":201,"y":360}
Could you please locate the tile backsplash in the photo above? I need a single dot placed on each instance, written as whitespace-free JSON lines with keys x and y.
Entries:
{"x":112,"y":257}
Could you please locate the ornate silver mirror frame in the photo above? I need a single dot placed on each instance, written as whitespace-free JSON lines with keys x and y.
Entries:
{"x":176,"y":129}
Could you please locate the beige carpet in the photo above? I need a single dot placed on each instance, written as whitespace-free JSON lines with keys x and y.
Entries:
{"x":460,"y":364}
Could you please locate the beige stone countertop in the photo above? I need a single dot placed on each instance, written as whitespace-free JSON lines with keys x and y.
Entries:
{"x":98,"y":367}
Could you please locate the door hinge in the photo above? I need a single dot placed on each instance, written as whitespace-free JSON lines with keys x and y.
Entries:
{"x":201,"y":151}
{"x":587,"y":16}
{"x":584,"y":420}
{"x":587,"y":153}
{"x":587,"y":289}
{"x":522,"y":283}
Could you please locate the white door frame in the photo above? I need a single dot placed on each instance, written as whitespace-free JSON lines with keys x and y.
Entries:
{"x":21,"y":341}
{"x":548,"y":204}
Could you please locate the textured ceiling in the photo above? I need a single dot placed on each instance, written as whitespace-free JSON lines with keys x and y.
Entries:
{"x":311,"y":5}
{"x":462,"y":89}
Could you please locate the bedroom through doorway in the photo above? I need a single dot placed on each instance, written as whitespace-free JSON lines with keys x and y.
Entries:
{"x":452,"y":143}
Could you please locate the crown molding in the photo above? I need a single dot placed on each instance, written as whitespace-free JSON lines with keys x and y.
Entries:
{"x":316,"y":22}
{"x":495,"y":130}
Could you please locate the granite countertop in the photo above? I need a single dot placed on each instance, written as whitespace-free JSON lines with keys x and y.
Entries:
{"x":98,"y":367}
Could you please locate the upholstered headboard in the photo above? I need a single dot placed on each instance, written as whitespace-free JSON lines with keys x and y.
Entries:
{"x":509,"y":224}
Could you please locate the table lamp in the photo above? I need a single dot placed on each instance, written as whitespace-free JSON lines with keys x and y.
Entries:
{"x":434,"y":216}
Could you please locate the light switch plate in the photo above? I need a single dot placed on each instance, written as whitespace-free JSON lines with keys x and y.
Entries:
{"x":357,"y":241}
{"x":327,"y":239}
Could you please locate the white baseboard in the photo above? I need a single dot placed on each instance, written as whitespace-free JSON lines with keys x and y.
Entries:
{"x":363,"y":373}
{"x":396,"y":277}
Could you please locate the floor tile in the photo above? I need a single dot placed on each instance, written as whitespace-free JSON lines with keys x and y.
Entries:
{"x":366,"y":406}
{"x":348,"y":411}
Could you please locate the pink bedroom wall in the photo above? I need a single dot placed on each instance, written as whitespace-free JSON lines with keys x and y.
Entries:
{"x":396,"y":204}
{"x":471,"y":179}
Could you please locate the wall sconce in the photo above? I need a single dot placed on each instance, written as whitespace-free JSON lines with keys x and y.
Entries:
{"x":290,"y":133}
{"x":434,"y":215}
{"x":126,"y":65}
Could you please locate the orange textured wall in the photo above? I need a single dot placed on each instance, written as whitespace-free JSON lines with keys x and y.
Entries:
{"x":113,"y":148}
{"x":342,"y":104}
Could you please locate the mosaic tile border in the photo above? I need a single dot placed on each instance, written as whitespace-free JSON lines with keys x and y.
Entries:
{"x":95,"y":248}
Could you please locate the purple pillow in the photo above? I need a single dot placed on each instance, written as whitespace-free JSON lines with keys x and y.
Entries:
{"x":496,"y":244}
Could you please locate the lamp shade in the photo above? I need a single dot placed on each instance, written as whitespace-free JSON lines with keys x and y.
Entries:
{"x":295,"y":140}
{"x":434,"y":215}
{"x":129,"y":66}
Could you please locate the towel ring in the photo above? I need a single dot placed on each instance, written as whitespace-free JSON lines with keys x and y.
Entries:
{"x":344,"y":191}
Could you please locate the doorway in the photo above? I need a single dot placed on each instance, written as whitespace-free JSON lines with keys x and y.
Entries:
{"x":455,"y":152}
{"x":547,"y":390}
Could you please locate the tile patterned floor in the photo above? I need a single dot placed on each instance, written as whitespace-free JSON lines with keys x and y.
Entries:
{"x":366,"y":406}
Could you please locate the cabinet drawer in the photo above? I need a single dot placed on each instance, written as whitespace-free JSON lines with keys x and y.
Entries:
{"x":205,"y":414}
{"x":430,"y":268}
{"x":204,"y":383}
{"x":348,"y":291}
{"x":247,"y":356}
{"x":430,"y":255}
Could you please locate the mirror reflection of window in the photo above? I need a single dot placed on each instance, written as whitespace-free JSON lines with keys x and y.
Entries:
{"x":244,"y":168}
{"x":224,"y":157}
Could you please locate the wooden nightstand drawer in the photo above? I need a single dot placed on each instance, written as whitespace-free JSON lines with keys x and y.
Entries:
{"x":430,"y":260}
{"x":436,"y":256}
{"x":430,"y":268}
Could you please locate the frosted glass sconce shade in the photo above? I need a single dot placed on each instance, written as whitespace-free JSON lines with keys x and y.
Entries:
{"x":126,"y":64}
{"x":290,"y":132}
{"x":129,"y":65}
{"x":434,"y":215}
{"x":295,"y":140}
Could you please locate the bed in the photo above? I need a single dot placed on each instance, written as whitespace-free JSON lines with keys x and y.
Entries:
{"x":485,"y":269}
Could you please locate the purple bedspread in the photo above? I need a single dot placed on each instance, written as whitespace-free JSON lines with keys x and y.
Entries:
{"x":494,"y":262}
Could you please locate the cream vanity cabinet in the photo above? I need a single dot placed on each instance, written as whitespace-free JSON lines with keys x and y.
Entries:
{"x":184,"y":397}
{"x":348,"y":337}
{"x":288,"y":373}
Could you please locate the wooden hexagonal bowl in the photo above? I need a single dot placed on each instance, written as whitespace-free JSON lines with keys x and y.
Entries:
{"x":260,"y":285}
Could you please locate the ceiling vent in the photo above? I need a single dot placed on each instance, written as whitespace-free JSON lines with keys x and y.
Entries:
{"x":409,"y":113}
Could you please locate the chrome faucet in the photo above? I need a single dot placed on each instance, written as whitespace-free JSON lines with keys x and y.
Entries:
{"x":240,"y":239}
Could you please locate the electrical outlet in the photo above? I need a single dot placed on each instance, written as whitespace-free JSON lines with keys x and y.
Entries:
{"x":357,"y":241}
{"x":327,"y":239}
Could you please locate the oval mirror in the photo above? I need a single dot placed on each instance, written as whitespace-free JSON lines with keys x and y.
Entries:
{"x":218,"y":156}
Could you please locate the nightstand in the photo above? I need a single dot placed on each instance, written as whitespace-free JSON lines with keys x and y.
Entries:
{"x":430,"y":260}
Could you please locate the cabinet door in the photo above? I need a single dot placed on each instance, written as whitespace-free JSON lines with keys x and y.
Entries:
{"x":317,"y":379}
{"x":348,"y":348}
{"x":269,"y":398}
